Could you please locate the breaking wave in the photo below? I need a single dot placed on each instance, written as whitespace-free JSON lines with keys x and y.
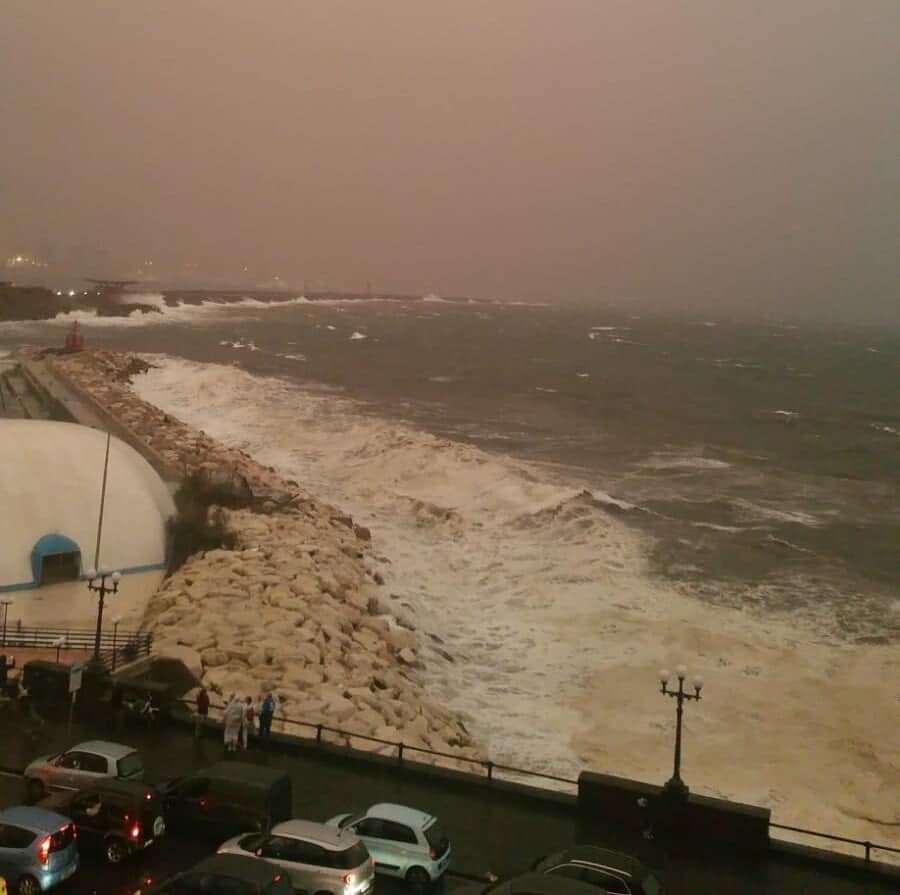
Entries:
{"x":541,"y":590}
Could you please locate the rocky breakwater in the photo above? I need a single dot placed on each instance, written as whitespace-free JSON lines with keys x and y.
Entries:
{"x":293,"y":606}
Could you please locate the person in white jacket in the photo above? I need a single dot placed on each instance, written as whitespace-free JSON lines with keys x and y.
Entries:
{"x":233,"y":719}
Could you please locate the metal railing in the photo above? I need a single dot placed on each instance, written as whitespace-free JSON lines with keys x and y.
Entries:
{"x":489,"y":770}
{"x":865,"y":844}
{"x":116,"y":647}
{"x":487,"y":767}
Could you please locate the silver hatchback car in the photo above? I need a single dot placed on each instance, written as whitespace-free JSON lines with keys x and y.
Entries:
{"x":37,"y":849}
{"x":405,"y":842}
{"x":319,"y":859}
{"x":80,"y":765}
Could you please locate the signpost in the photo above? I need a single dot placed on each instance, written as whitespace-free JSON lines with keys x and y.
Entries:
{"x":76,"y":671}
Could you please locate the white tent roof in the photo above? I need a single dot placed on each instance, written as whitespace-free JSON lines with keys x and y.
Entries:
{"x":51,"y":475}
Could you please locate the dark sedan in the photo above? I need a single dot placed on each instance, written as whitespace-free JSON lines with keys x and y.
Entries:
{"x":609,"y":871}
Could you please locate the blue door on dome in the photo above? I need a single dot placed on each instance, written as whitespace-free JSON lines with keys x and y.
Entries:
{"x":55,"y":558}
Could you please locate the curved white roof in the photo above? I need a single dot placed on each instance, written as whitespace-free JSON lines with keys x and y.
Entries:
{"x":51,"y":477}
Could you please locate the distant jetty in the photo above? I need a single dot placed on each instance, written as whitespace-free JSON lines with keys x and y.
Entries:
{"x":117,"y":298}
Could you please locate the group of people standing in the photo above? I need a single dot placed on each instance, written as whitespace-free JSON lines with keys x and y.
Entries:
{"x":240,"y":718}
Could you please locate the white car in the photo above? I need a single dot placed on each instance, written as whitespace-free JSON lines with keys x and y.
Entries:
{"x":80,"y":765}
{"x":404,"y":842}
{"x":317,"y":858}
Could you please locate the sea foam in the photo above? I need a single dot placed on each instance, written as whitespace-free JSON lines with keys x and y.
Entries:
{"x":544,"y":596}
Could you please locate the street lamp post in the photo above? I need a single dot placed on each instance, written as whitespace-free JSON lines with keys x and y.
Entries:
{"x":6,"y":604}
{"x":676,"y":786}
{"x":116,"y":620}
{"x":59,"y":643}
{"x":97,"y":583}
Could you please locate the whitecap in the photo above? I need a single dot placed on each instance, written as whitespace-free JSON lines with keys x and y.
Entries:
{"x":549,"y":391}
{"x":441,"y":379}
{"x":680,"y":461}
{"x":357,"y":336}
{"x":332,"y":328}
{"x":583,"y":375}
{"x":777,"y":514}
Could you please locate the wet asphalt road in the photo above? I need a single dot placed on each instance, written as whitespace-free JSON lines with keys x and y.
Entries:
{"x":491,"y":828}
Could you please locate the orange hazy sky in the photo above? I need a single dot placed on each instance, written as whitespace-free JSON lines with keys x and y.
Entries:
{"x":715,"y":151}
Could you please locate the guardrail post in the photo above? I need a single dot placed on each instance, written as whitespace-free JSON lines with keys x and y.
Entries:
{"x":490,"y":770}
{"x":868,"y":846}
{"x":400,"y":752}
{"x":318,"y":734}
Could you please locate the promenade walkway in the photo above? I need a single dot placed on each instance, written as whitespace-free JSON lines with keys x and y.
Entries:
{"x":498,"y":828}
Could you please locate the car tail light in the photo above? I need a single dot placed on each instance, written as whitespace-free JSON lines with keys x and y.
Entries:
{"x":373,"y":862}
{"x":136,"y":831}
{"x":348,"y":878}
{"x":432,"y":854}
{"x":148,"y":796}
{"x":43,"y":852}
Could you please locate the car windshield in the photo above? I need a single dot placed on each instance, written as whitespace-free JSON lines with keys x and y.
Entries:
{"x":437,"y":838}
{"x":349,"y":819}
{"x":253,"y":841}
{"x":130,"y":765}
{"x":350,"y":857}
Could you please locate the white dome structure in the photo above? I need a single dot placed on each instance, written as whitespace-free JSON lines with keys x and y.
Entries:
{"x":51,"y":485}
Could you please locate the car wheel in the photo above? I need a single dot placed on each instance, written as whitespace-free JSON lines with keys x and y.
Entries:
{"x":418,"y":877}
{"x":28,"y":885}
{"x":35,"y":790}
{"x":116,"y":850}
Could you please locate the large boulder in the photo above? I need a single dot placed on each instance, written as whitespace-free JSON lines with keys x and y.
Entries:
{"x":188,"y":657}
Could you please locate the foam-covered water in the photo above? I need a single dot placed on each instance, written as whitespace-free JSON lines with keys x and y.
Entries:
{"x":538,"y":613}
{"x":561,"y":514}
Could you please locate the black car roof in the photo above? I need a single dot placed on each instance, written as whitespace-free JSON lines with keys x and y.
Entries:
{"x":252,"y":870}
{"x":544,"y":884}
{"x":243,"y":772}
{"x":593,"y":854}
{"x":114,"y":786}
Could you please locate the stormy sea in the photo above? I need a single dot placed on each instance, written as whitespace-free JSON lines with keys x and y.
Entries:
{"x":565,"y":497}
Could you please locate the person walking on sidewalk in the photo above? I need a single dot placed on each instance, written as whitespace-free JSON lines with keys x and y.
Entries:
{"x":202,"y":711}
{"x":266,"y":714}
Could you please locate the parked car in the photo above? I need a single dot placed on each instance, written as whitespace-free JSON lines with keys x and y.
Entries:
{"x":228,"y":875}
{"x":539,"y":884}
{"x":37,"y":849}
{"x":318,"y":858}
{"x":228,"y":798}
{"x":610,"y":871}
{"x":113,"y":817}
{"x":404,"y":842}
{"x":81,"y":765}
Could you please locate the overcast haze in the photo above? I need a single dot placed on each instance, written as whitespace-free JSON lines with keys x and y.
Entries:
{"x":698,"y":152}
